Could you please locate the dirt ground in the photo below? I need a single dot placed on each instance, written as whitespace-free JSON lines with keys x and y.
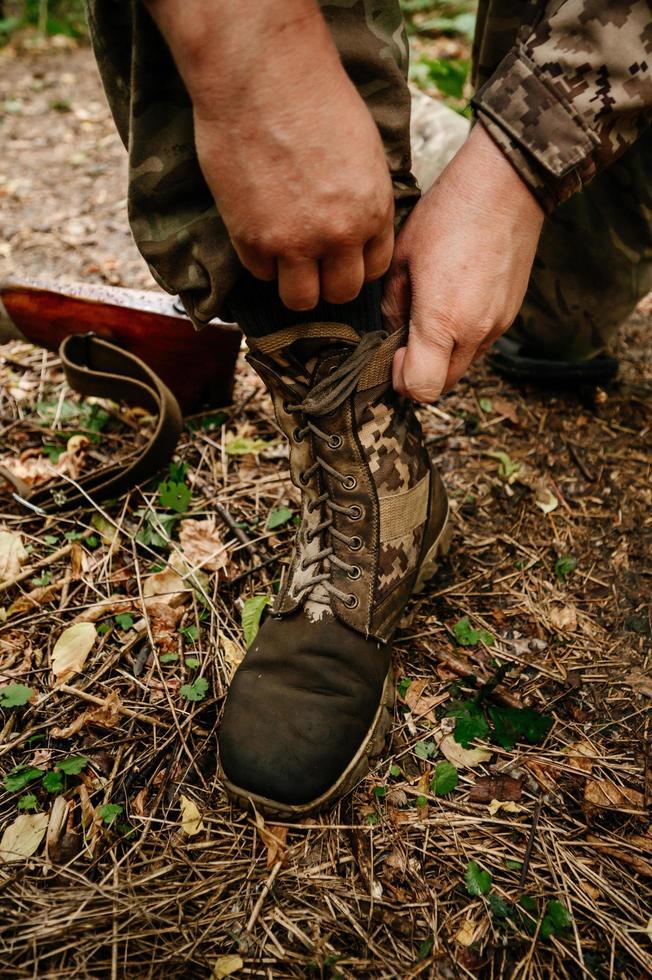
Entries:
{"x":552,"y":558}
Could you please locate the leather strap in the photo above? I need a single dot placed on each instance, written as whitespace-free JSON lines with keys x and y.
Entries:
{"x":94,"y":366}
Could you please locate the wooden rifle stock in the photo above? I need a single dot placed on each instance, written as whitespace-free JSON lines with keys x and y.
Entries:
{"x":197,"y":366}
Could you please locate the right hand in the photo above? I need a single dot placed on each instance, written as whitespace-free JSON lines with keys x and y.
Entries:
{"x":296,"y":165}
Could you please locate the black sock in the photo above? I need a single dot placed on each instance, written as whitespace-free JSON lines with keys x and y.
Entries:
{"x":257,"y":307}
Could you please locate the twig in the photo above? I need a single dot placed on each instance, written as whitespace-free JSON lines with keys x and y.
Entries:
{"x":530,"y":843}
{"x":463,"y":668}
{"x":232,"y":525}
{"x":101,"y":702}
{"x":263,"y":895}
{"x":48,"y":560}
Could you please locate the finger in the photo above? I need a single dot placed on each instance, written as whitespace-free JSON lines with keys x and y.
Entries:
{"x":426,"y":363}
{"x":298,"y":283}
{"x":342,"y":275}
{"x":395,"y":304}
{"x":259,"y":265}
{"x":378,"y":254}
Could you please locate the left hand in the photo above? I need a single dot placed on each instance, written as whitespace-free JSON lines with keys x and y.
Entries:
{"x":461,"y":267}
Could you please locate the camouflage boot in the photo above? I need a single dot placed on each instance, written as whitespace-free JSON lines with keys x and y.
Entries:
{"x":312,"y":701}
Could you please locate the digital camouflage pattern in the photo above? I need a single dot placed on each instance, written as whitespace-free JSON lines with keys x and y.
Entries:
{"x":565,"y":89}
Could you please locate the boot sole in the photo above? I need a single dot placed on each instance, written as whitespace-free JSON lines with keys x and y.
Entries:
{"x":373,"y":743}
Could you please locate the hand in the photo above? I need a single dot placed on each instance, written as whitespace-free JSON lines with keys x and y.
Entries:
{"x":461,"y":267}
{"x":288,"y":148}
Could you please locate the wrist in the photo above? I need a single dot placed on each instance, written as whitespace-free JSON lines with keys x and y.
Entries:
{"x":509,"y":191}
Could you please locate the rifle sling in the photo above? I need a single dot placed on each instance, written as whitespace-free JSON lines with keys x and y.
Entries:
{"x":94,"y":366}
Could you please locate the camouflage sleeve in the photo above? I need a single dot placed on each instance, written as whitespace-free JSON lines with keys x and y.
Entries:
{"x":572,"y":96}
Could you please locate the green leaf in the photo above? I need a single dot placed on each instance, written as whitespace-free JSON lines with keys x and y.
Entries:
{"x":447,"y":74}
{"x":28,"y":802}
{"x":403,"y":686}
{"x":463,"y":23}
{"x":278,"y":517}
{"x":174,"y":496}
{"x":556,"y":921}
{"x":425,"y":750}
{"x":395,"y":771}
{"x":252,"y":611}
{"x":529,"y":913}
{"x":50,"y":539}
{"x":564,"y":566}
{"x":486,"y":405}
{"x":41,"y":580}
{"x":478,"y":882}
{"x":103,"y":628}
{"x":371,"y":818}
{"x":241,"y":446}
{"x":513,"y":865}
{"x":425,"y":949}
{"x":195,"y":691}
{"x":380,"y":792}
{"x":109,"y":812}
{"x":169,"y":658}
{"x":422,"y":801}
{"x":446,"y":779}
{"x":19,"y":777}
{"x":15,"y":695}
{"x":467,"y":636}
{"x":471,"y":723}
{"x":191,"y":633}
{"x":53,"y":782}
{"x":177,"y":471}
{"x":192,"y":662}
{"x":73,"y":765}
{"x":514,"y":725}
{"x":506,"y":466}
{"x":124,"y":620}
{"x":500,"y":908}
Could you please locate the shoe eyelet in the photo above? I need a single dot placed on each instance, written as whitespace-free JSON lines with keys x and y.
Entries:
{"x":349,"y":483}
{"x":352,"y":601}
{"x":286,"y":406}
{"x":303,"y":480}
{"x":355,"y":543}
{"x":355,"y":512}
{"x":335,"y":442}
{"x":296,"y":435}
{"x":355,"y":572}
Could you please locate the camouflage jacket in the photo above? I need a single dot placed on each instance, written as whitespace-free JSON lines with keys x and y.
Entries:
{"x":572,"y":94}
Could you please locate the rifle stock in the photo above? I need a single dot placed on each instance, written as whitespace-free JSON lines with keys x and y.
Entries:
{"x":197,"y":366}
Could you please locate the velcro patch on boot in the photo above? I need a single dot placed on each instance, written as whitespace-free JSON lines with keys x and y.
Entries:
{"x":403,"y":512}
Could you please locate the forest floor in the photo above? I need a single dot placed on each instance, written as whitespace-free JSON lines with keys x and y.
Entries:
{"x":537,"y":863}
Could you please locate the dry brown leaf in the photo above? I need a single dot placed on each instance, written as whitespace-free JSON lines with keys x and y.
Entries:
{"x":56,"y":823}
{"x":461,"y":757}
{"x":634,"y":860}
{"x":502,"y":406}
{"x":545,"y":500}
{"x":23,"y":837}
{"x":106,"y":715}
{"x":464,"y":935}
{"x":545,"y":776}
{"x":604,"y":794}
{"x":191,"y":821}
{"x":581,"y":756}
{"x":233,"y":655}
{"x":640,"y":682}
{"x":165,"y":587}
{"x":202,"y":545}
{"x":72,"y":649}
{"x":563,"y":618}
{"x":12,"y":554}
{"x":107,"y":607}
{"x":163,"y":620}
{"x":508,"y":806}
{"x":419,"y":703}
{"x":500,"y":787}
{"x":226,"y":966}
{"x":34,"y":599}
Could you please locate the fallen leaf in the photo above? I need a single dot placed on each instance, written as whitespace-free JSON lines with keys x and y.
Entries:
{"x":72,"y":649}
{"x":23,"y":837}
{"x":276,"y":841}
{"x":56,"y":823}
{"x":111,"y":606}
{"x":226,"y":966}
{"x":233,"y":655}
{"x":581,"y":756}
{"x":464,"y":935}
{"x":106,"y":715}
{"x":502,"y":406}
{"x":640,"y":682}
{"x":419,"y":703}
{"x":191,"y":821}
{"x":622,"y":855}
{"x":163,"y":621}
{"x":545,"y":500}
{"x":12,"y":554}
{"x":604,"y":794}
{"x":165,"y":587}
{"x":37,"y":597}
{"x":461,"y":757}
{"x":202,"y":545}
{"x":507,"y":805}
{"x":487,"y":788}
{"x":563,"y":618}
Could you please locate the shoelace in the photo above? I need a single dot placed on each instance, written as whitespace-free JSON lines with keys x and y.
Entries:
{"x":327,"y":396}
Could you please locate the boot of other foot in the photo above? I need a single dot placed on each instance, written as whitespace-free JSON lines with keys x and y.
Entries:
{"x":311,"y":703}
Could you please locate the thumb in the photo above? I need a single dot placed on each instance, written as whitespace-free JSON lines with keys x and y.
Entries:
{"x":420,"y":369}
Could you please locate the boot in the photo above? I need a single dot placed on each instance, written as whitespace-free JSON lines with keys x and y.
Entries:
{"x":312,"y":701}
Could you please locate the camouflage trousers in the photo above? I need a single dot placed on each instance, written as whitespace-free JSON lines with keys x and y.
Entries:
{"x":594,"y":260}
